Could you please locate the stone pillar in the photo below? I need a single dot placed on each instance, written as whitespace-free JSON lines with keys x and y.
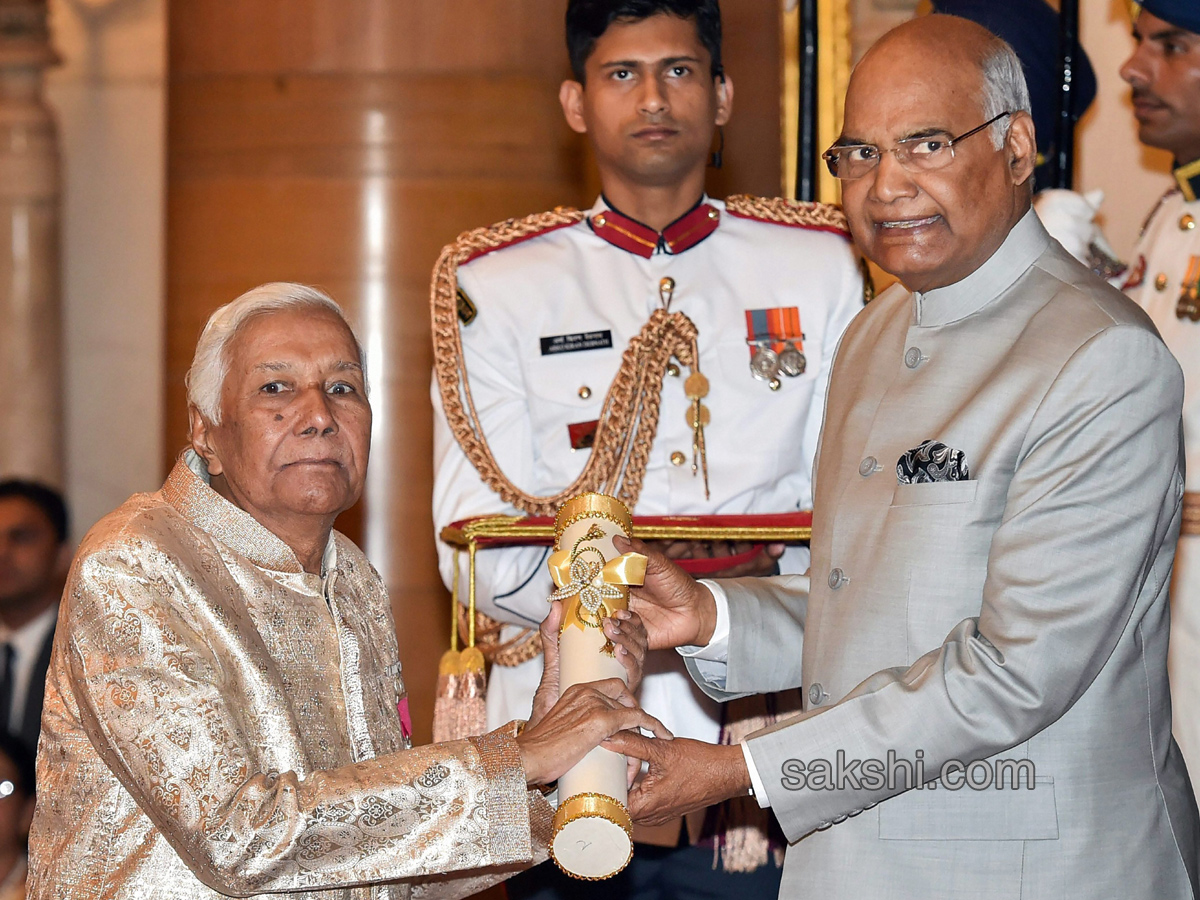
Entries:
{"x":30,"y":320}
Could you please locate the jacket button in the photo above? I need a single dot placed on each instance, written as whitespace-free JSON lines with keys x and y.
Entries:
{"x":677,"y":458}
{"x":868,"y":467}
{"x":673,"y":370}
{"x":1187,"y":223}
{"x":817,"y":694}
{"x":585,"y":392}
{"x":912,"y":358}
{"x":837,"y":578}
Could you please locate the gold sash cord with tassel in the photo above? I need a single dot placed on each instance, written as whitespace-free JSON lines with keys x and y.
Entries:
{"x":459,"y":706}
{"x":629,"y":417}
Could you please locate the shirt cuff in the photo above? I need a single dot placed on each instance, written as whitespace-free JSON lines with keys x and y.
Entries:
{"x":756,"y":784}
{"x":717,"y":648}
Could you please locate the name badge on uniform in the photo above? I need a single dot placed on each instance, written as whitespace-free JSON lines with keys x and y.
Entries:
{"x":776,"y":344}
{"x":1188,"y":306}
{"x":573,"y":343}
{"x":467,"y":310}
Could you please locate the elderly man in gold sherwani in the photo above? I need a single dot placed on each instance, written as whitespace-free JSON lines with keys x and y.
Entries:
{"x":223,"y":707}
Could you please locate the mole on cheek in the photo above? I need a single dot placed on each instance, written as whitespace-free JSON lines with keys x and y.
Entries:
{"x":278,"y":418}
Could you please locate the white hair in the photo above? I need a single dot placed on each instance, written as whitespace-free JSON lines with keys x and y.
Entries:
{"x":1004,"y":89}
{"x":210,"y":365}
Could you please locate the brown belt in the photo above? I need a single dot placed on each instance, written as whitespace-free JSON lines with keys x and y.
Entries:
{"x":1191,"y":513}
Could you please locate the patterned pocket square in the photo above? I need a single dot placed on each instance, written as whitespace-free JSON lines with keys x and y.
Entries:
{"x":932,"y":461}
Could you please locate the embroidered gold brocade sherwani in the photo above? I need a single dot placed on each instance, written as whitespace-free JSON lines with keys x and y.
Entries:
{"x":219,"y":722}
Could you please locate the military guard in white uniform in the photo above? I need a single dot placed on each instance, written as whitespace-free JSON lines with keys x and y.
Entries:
{"x":1164,"y":278}
{"x":547,"y":307}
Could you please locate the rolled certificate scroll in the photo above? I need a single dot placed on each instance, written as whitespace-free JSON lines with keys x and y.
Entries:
{"x":593,"y":834}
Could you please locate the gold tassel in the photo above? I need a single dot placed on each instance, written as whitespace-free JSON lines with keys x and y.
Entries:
{"x":459,"y":708}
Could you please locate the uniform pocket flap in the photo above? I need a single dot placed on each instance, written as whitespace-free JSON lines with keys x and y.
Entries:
{"x":940,"y":814}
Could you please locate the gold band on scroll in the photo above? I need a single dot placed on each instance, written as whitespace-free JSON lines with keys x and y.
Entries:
{"x":592,"y":806}
{"x":592,"y":506}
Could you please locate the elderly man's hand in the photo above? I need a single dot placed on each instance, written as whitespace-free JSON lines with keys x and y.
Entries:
{"x":677,"y":610}
{"x":625,"y":630}
{"x":584,"y":716}
{"x":684,"y":775}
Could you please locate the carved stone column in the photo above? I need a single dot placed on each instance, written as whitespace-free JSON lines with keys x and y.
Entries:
{"x":30,"y":338}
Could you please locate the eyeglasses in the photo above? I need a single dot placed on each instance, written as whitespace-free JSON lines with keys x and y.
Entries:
{"x":921,"y":154}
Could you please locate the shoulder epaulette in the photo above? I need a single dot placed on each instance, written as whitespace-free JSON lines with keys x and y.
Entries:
{"x":478,"y":242}
{"x":794,"y":213}
{"x":1154,"y":212}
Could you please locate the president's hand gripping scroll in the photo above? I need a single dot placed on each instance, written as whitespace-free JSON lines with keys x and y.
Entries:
{"x":593,"y":834}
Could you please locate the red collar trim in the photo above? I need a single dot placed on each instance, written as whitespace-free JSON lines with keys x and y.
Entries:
{"x":634,"y":237}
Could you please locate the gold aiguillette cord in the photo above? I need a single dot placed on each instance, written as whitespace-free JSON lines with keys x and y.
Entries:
{"x":696,"y":388}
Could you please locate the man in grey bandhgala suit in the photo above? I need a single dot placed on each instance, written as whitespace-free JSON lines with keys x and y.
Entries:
{"x":997,"y":499}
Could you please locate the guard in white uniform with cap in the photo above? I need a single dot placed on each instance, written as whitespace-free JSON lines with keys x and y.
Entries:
{"x":760,"y":290}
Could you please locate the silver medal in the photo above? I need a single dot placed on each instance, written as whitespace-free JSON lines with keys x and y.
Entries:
{"x":764,"y":364}
{"x":791,"y":361}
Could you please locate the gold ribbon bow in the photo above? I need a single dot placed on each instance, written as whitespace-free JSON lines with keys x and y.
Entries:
{"x":595,"y":583}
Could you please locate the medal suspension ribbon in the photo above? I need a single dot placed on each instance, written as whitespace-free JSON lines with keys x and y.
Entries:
{"x":629,"y":418}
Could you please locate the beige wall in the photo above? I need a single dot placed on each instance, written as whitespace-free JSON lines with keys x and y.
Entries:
{"x":109,"y":97}
{"x":1110,"y":157}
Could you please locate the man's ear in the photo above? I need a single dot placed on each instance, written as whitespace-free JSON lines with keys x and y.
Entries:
{"x":570,"y":95}
{"x":724,"y":99}
{"x":1021,"y":146}
{"x":202,"y":440}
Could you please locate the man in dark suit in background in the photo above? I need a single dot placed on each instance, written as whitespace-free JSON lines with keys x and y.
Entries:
{"x":33,"y":557}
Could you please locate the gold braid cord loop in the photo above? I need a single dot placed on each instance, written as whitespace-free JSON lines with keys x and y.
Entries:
{"x":822,"y":216}
{"x":526,"y":645}
{"x":629,"y":417}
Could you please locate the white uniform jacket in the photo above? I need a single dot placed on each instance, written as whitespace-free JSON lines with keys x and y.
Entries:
{"x":761,"y":443}
{"x":1166,"y":265}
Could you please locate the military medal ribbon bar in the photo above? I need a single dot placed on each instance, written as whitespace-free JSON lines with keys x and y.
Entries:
{"x":776,"y":343}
